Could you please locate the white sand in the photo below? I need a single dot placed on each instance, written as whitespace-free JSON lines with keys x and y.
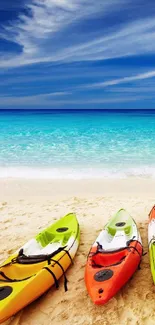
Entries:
{"x":27,"y":206}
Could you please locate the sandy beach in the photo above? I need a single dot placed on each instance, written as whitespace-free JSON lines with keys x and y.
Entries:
{"x":29,"y":205}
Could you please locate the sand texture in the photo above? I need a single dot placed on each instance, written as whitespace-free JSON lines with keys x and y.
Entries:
{"x":26,"y":207}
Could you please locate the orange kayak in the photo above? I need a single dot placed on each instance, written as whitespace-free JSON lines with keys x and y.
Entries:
{"x":113,"y":258}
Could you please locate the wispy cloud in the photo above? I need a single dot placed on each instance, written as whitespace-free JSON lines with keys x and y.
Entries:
{"x":38,"y":33}
{"x":55,"y":101}
{"x":134,"y":38}
{"x":39,"y":100}
{"x":56,"y":38}
{"x":141,"y":76}
{"x":132,"y":90}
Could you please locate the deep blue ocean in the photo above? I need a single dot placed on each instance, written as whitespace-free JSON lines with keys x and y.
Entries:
{"x":77,"y":143}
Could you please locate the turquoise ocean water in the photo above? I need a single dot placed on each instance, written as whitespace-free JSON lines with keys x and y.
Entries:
{"x":77,"y":144}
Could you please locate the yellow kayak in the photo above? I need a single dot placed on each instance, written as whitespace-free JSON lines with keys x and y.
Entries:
{"x":38,"y":265}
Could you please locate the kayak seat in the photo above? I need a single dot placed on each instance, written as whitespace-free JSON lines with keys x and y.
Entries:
{"x":44,"y":238}
{"x":63,"y":239}
{"x":66,"y":238}
{"x":112,"y":229}
{"x":121,"y":222}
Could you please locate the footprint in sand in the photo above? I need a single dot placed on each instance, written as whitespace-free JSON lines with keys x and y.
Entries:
{"x":148,"y":321}
{"x":4,"y":204}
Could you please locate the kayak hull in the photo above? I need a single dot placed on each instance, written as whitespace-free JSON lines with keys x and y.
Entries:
{"x":114,"y":276}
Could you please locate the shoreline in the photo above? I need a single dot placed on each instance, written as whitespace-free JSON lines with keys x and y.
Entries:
{"x":78,"y":172}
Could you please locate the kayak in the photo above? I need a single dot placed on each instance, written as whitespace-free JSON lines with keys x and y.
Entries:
{"x":151,"y":240}
{"x":38,"y":265}
{"x":113,"y":258}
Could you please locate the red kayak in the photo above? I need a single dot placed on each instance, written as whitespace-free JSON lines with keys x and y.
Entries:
{"x":114,"y":257}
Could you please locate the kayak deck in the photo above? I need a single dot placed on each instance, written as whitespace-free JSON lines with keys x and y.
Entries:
{"x":113,"y":258}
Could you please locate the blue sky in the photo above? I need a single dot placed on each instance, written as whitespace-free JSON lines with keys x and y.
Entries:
{"x":77,"y":54}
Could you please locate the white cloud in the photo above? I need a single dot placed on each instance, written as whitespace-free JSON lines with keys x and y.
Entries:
{"x":38,"y":34}
{"x":132,"y":90}
{"x":134,"y":38}
{"x":49,"y":101}
{"x":41,"y":99}
{"x":118,"y":81}
{"x":34,"y":33}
